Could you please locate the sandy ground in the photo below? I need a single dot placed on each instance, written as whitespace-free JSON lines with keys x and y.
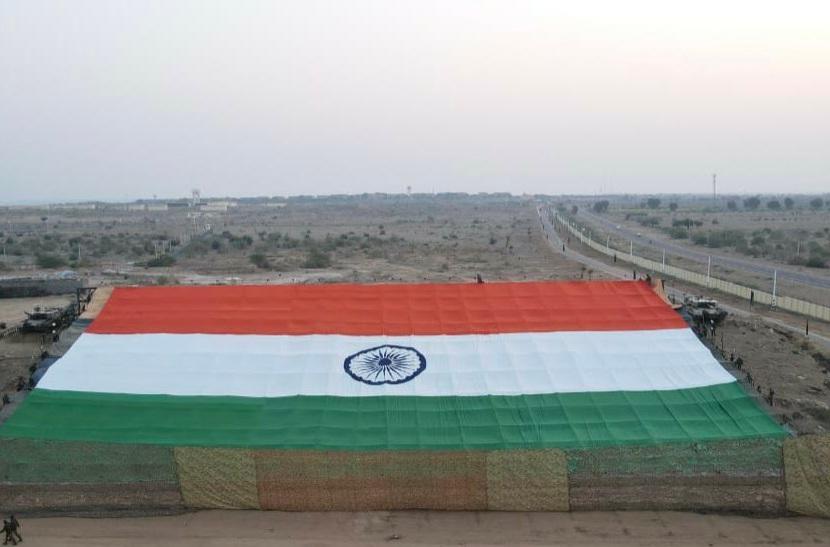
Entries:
{"x":12,"y":310}
{"x":99,"y":298}
{"x":253,"y":528}
{"x":793,"y":368}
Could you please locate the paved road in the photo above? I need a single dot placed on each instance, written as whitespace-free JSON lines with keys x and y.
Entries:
{"x":625,"y":272}
{"x":717,"y":259}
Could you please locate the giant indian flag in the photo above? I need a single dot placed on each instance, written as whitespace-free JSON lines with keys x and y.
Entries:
{"x":366,"y":367}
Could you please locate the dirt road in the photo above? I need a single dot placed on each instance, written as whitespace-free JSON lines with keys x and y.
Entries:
{"x":253,"y":528}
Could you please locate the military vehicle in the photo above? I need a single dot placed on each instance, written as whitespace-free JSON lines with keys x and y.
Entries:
{"x":46,"y":320}
{"x":704,"y":310}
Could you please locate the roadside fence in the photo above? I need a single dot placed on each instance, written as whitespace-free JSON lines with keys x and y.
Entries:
{"x":803,"y":307}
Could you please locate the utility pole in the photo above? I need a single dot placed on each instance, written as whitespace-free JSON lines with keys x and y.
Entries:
{"x":708,"y":270}
{"x":774,"y":286}
{"x":714,"y":188}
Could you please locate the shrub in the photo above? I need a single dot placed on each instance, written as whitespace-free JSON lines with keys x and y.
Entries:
{"x":816,"y":203}
{"x":653,"y":203}
{"x":678,"y":232}
{"x":50,"y":261}
{"x":726,"y":238}
{"x":601,"y":206}
{"x":649,"y":221}
{"x":161,"y":261}
{"x":260,"y":261}
{"x":317,"y":259}
{"x":816,"y":262}
{"x":752,"y":203}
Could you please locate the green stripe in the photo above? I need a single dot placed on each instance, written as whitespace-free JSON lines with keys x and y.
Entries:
{"x":567,"y":420}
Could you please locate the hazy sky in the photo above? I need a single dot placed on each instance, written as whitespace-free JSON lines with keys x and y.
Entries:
{"x":125,"y":99}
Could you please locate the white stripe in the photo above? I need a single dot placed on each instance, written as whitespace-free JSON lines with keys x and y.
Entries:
{"x":278,"y":366}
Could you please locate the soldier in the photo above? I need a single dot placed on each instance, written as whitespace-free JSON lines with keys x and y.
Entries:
{"x":7,"y":530}
{"x":15,"y":528}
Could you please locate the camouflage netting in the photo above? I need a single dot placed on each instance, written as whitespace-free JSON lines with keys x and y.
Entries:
{"x":527,"y":480}
{"x":358,"y":481}
{"x":807,"y":468}
{"x":96,"y":478}
{"x":87,"y":477}
{"x":743,"y":476}
{"x":217,"y":478}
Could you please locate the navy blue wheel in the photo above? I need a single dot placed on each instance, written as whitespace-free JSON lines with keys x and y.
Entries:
{"x":387,"y":364}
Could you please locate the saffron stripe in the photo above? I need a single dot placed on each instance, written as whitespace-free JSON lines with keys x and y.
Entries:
{"x":395,"y":310}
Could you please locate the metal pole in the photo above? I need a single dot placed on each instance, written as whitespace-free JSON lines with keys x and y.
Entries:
{"x":774,"y":286}
{"x":664,"y":261}
{"x":608,"y":243}
{"x":708,"y":270}
{"x":631,"y":248}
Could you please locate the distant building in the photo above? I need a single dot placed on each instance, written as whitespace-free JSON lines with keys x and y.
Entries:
{"x":73,"y":206}
{"x":214,"y":207}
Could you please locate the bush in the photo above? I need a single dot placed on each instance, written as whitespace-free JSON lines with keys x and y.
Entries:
{"x":317,"y":259}
{"x":672,"y":207}
{"x":816,"y":203}
{"x":816,"y":262}
{"x":260,"y":261}
{"x":726,"y":238}
{"x":731,"y":205}
{"x":678,"y":232}
{"x":686,"y":222}
{"x":50,"y":261}
{"x":601,"y":206}
{"x":653,"y":203}
{"x":161,"y":262}
{"x":752,"y":203}
{"x":699,"y":239}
